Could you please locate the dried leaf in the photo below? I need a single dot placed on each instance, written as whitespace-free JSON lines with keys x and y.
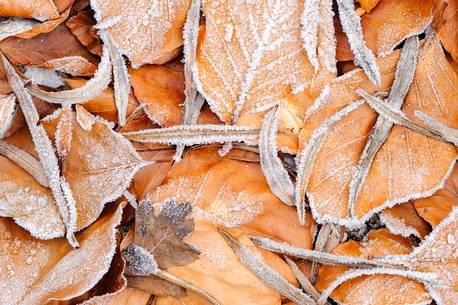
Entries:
{"x":445,"y":24}
{"x":13,"y":26}
{"x":351,"y":25}
{"x":407,"y":166}
{"x":252,"y":261}
{"x":405,"y":71}
{"x":387,"y":25}
{"x":81,"y":26}
{"x":436,"y":208}
{"x":144,"y":38}
{"x":276,"y":175}
{"x":24,"y":160}
{"x":160,"y":90}
{"x":368,"y":5}
{"x":194,"y":134}
{"x":7,"y":111}
{"x":38,"y":9}
{"x":73,"y":65}
{"x":88,"y":91}
{"x":375,"y":288}
{"x":303,"y":280}
{"x":403,"y":220}
{"x":41,"y":271}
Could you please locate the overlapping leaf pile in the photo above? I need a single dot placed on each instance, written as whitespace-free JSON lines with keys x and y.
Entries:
{"x":228,"y":152}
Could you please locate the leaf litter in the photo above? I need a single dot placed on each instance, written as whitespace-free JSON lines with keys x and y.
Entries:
{"x":364,"y":157}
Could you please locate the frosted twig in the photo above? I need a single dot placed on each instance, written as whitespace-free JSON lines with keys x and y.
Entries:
{"x":403,"y":78}
{"x":351,"y":24}
{"x":121,"y":80}
{"x":43,"y":146}
{"x":351,"y":274}
{"x":306,"y":158}
{"x":447,"y":133}
{"x":7,"y":111}
{"x":398,"y":117}
{"x":321,"y":257}
{"x":303,"y":280}
{"x":194,"y":134}
{"x":267,"y":275}
{"x":193,"y":102}
{"x":24,"y":160}
{"x":276,"y":175}
{"x":89,"y":90}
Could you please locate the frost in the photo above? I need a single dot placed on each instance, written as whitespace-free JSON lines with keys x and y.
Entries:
{"x":351,"y":25}
{"x":14,"y":26}
{"x":318,"y":256}
{"x":318,"y":103}
{"x":194,"y":134}
{"x":45,"y":77}
{"x":140,"y":260}
{"x":43,"y":145}
{"x":7,"y":111}
{"x":89,"y":90}
{"x":120,"y":78}
{"x":24,"y":160}
{"x":84,"y":118}
{"x":276,"y":175}
{"x":73,"y":65}
{"x":306,"y":158}
{"x":351,"y":274}
{"x":447,"y":133}
{"x":266,"y":274}
{"x":317,"y":22}
{"x":403,"y":78}
{"x":398,"y":226}
{"x":131,"y":199}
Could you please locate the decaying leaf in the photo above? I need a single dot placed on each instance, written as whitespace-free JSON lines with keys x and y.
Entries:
{"x":41,"y":271}
{"x":152,"y":37}
{"x":403,"y":220}
{"x":436,"y":208}
{"x":401,"y":169}
{"x":377,"y":288}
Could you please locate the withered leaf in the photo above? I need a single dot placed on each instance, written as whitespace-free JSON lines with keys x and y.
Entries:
{"x":81,"y":26}
{"x":163,"y":234}
{"x":41,"y":271}
{"x":7,"y":110}
{"x":445,"y":23}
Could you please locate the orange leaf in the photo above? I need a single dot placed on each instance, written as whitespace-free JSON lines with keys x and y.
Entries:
{"x":435,"y":208}
{"x":403,"y":220}
{"x":53,"y":270}
{"x":144,"y":38}
{"x":446,"y":24}
{"x":373,"y":289}
{"x":81,"y":26}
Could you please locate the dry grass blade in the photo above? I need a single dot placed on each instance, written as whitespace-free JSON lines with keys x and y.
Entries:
{"x":25,"y":160}
{"x":43,"y":147}
{"x":403,"y":78}
{"x":352,"y":27}
{"x":447,"y":133}
{"x":89,"y":90}
{"x":321,"y":257}
{"x":14,"y":26}
{"x":307,"y":156}
{"x":351,"y":274}
{"x":7,"y":110}
{"x":327,"y":239}
{"x":276,"y":175}
{"x":194,"y":134}
{"x":121,"y":80}
{"x":303,"y":280}
{"x":271,"y":278}
{"x":398,"y":117}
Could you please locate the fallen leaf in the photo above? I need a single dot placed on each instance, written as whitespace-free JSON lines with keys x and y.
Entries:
{"x":402,"y":169}
{"x":129,"y":296}
{"x":368,"y":5}
{"x":403,"y":220}
{"x":436,"y":207}
{"x":81,"y":26}
{"x":144,"y":38}
{"x":41,"y":10}
{"x":377,"y":289}
{"x":7,"y":110}
{"x":73,"y":65}
{"x":160,"y":89}
{"x":388,"y":24}
{"x":41,"y":271}
{"x":44,"y":27}
{"x":445,"y":23}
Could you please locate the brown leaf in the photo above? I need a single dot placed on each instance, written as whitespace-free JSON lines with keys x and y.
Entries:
{"x":388,"y":24}
{"x":41,"y":271}
{"x":446,"y":24}
{"x":403,"y":220}
{"x":144,"y":38}
{"x":377,"y":289}
{"x":368,"y":5}
{"x":435,"y":208}
{"x":160,"y":89}
{"x":81,"y":26}
{"x":38,"y":9}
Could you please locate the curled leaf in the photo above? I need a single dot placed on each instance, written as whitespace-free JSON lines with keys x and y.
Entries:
{"x":276,"y":175}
